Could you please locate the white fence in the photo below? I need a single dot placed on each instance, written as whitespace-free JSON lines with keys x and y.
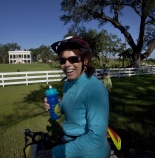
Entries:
{"x":14,"y":78}
{"x":121,"y":72}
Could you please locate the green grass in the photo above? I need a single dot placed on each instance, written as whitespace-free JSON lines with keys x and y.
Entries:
{"x":22,"y":107}
{"x":26,"y":67}
{"x":137,"y":95}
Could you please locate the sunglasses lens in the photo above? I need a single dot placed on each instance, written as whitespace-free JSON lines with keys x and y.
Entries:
{"x":72,"y":60}
{"x":62,"y":61}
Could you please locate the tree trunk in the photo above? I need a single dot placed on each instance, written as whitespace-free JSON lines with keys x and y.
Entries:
{"x":100,"y":60}
{"x":136,"y":60}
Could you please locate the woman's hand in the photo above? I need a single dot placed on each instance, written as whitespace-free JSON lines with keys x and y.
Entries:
{"x":46,"y":105}
{"x":44,"y":154}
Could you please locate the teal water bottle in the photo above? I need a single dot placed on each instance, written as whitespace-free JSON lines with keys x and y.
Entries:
{"x":52,"y":99}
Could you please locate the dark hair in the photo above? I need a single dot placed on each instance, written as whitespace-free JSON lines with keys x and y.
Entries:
{"x":80,"y":48}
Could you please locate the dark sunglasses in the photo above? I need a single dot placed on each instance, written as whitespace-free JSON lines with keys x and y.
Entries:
{"x":71,"y":59}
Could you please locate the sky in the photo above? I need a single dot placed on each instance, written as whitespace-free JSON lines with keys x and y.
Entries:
{"x":32,"y":23}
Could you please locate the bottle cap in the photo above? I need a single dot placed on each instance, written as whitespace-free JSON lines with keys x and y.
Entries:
{"x":51,"y":91}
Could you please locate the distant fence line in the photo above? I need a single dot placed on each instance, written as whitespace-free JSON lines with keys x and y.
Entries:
{"x":122,"y":72}
{"x":15,"y":78}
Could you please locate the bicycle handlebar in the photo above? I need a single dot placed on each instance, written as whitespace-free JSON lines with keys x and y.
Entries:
{"x":33,"y":136}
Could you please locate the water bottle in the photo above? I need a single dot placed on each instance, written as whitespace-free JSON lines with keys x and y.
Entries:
{"x":52,"y":99}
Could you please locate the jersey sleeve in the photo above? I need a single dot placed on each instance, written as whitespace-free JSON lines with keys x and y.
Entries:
{"x":97,"y":107}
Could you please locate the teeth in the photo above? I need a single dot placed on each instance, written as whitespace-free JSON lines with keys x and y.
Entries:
{"x":69,"y":70}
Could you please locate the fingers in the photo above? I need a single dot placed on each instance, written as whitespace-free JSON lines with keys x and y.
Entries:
{"x":46,"y":105}
{"x":45,"y":100}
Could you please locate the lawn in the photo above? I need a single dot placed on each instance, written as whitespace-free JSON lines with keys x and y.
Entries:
{"x":22,"y":107}
{"x":137,"y":96}
{"x":27,"y":67}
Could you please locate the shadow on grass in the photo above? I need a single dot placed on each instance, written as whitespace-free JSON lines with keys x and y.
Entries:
{"x":29,"y":107}
{"x":25,"y":111}
{"x":136,"y":94}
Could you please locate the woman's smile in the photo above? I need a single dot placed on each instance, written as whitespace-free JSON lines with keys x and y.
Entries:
{"x":72,"y":70}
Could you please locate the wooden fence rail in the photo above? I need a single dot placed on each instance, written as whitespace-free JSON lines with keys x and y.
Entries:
{"x":14,"y":78}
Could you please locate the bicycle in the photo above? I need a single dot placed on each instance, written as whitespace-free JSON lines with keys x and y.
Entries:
{"x":37,"y":141}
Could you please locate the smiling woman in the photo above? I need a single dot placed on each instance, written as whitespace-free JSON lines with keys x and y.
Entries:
{"x":86,"y":111}
{"x":71,"y":64}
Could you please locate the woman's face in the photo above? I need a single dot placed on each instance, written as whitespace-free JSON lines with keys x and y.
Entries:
{"x":72,"y":70}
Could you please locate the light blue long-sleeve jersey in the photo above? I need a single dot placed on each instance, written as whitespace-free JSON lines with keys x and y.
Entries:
{"x":86,"y":108}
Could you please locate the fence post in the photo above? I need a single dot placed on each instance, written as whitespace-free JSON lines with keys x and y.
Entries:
{"x":146,"y":70}
{"x":109,"y":71}
{"x":26,"y":78}
{"x":119,"y":73}
{"x":153,"y":69}
{"x":47,"y":77}
{"x":96,"y":72}
{"x":2,"y":80}
{"x":138,"y":71}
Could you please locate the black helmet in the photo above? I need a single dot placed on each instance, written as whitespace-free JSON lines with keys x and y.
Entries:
{"x":70,"y":43}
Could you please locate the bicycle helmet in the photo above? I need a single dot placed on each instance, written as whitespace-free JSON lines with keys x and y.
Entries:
{"x":70,"y":43}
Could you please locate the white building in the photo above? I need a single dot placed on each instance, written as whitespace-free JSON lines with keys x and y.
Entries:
{"x":17,"y":57}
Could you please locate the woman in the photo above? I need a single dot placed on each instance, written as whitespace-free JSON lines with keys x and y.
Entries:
{"x":84,"y":103}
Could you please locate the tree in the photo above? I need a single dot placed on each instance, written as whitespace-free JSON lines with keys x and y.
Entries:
{"x":79,"y":11}
{"x":35,"y":53}
{"x":125,"y":54}
{"x":4,"y":49}
{"x":102,"y":44}
{"x":45,"y":53}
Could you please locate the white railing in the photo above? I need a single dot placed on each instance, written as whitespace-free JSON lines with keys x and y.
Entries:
{"x":121,"y":72}
{"x":14,"y":78}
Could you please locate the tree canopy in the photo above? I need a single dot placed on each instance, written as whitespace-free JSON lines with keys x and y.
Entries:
{"x":4,"y":48}
{"x":43,"y":53}
{"x":102,"y":43}
{"x":78,"y":12}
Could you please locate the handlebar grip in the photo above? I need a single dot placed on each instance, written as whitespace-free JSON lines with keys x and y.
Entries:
{"x":27,"y":132}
